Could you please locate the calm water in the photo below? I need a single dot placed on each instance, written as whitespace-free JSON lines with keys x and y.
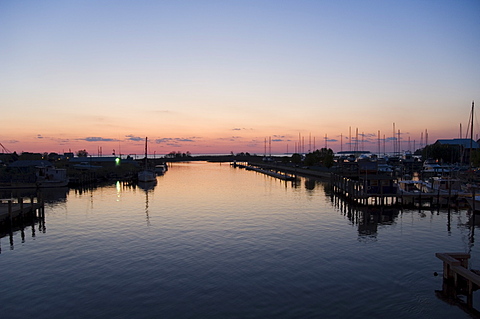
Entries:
{"x":212,"y":241}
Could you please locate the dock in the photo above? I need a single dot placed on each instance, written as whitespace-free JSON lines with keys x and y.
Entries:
{"x":273,"y":172}
{"x":14,"y":210}
{"x":458,"y":279}
{"x":381,"y":190}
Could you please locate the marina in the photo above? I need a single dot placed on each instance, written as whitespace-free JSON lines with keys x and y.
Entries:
{"x":190,"y":246}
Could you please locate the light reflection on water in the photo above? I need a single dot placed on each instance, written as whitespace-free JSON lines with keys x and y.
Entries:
{"x":212,"y":241}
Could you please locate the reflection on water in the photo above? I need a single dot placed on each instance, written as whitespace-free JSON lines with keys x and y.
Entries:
{"x":27,"y":221}
{"x":148,"y":188}
{"x":49,"y":195}
{"x":367,"y":219}
{"x":30,"y":220}
{"x":212,"y":241}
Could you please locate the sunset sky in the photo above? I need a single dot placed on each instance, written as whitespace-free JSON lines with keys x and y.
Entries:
{"x":224,"y":76}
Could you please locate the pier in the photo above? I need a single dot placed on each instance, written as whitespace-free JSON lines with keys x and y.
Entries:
{"x":14,"y":211}
{"x":382,"y":190}
{"x":272,"y":171}
{"x":459,"y":280}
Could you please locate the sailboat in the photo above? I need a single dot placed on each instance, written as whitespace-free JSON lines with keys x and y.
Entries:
{"x":146,"y":175}
{"x":474,"y":201}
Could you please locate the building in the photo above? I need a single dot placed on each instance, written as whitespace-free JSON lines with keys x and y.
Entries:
{"x":463,"y":144}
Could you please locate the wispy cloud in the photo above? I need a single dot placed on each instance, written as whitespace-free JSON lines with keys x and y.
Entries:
{"x":97,"y":139}
{"x":134,"y":138}
{"x":367,"y":135}
{"x":174,"y":140}
{"x":39,"y":136}
{"x":242,"y":129}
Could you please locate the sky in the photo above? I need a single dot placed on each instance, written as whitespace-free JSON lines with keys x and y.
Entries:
{"x":236,"y":76}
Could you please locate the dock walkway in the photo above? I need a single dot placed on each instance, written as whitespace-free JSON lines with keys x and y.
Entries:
{"x":308,"y":172}
{"x":382,"y":190}
{"x":274,"y":171}
{"x":11,"y":209}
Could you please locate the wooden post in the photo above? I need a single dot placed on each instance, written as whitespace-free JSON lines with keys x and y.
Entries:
{"x":10,"y":211}
{"x":470,"y":294}
{"x":449,"y":195}
{"x":420,"y":198}
{"x":32,"y":206}
{"x":473,"y":201}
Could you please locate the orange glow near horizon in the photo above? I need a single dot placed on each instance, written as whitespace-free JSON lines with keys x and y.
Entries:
{"x":228,"y":77}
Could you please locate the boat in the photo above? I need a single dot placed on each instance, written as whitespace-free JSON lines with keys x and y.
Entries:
{"x":34,"y":174}
{"x":474,"y":202}
{"x":51,"y":177}
{"x":85,"y":166}
{"x":410,"y":187}
{"x":146,"y":175}
{"x":444,"y":186}
{"x":432,"y":168}
{"x":160,"y":169}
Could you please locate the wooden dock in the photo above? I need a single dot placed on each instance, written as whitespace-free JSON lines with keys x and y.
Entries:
{"x":13,"y":209}
{"x":378,"y":190}
{"x":274,"y":172}
{"x":458,"y":279}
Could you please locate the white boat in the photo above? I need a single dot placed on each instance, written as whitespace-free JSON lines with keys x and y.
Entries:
{"x":445,"y":186}
{"x":35,"y":174}
{"x":410,"y":187}
{"x":146,"y":175}
{"x":160,"y":169}
{"x":51,"y":177}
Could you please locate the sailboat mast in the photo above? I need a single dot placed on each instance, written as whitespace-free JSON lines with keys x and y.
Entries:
{"x":471,"y":133}
{"x":146,"y":152}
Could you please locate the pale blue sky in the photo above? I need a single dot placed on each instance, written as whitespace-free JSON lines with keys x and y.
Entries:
{"x":223,"y":75}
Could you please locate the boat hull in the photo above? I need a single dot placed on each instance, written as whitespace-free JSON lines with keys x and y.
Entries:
{"x":146,"y":176}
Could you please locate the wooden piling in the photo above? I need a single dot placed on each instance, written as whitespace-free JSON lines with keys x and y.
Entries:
{"x":457,"y":278}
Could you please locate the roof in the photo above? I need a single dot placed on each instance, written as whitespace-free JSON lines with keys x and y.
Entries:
{"x":352,"y":152}
{"x":465,"y":142}
{"x":107,"y":159}
{"x":31,"y":163}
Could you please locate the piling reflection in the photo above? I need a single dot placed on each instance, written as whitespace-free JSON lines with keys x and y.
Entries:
{"x":148,"y":188}
{"x":366,"y":218}
{"x":459,"y":282}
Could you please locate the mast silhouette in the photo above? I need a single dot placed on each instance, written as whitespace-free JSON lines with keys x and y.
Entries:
{"x":471,"y":133}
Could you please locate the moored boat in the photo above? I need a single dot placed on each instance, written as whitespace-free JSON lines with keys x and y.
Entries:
{"x":146,"y":175}
{"x":34,"y":174}
{"x":474,"y":202}
{"x":410,"y":187}
{"x":160,"y":169}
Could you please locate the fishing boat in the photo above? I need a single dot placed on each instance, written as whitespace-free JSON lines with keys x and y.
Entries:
{"x":34,"y":174}
{"x":146,"y":175}
{"x":474,"y":202}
